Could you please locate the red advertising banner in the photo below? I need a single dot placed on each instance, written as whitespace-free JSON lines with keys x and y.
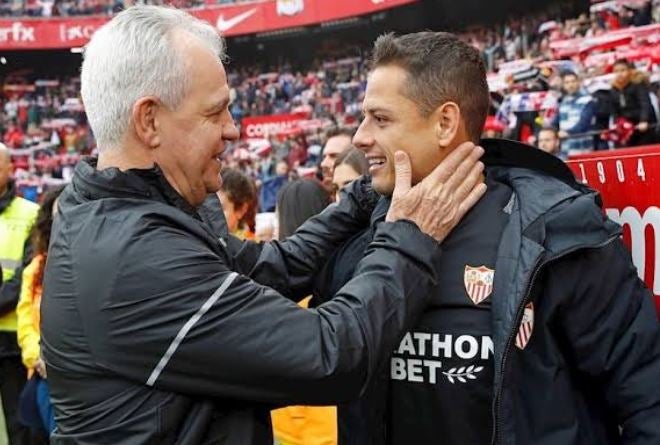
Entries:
{"x":629,"y":182}
{"x":229,"y":20}
{"x":264,"y":126}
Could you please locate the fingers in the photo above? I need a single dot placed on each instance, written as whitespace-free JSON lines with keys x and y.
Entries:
{"x":464,"y":169}
{"x":473,"y":197}
{"x":450,"y":164}
{"x":470,"y":180}
{"x":402,"y":174}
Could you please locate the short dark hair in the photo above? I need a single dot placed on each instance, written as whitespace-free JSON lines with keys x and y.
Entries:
{"x":355,"y":158}
{"x":297,"y":201}
{"x":441,"y":68}
{"x":568,"y":73}
{"x":625,"y":62}
{"x":339,"y":131}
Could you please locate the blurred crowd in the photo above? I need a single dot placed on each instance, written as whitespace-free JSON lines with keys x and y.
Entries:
{"x":567,"y":86}
{"x":67,"y":8}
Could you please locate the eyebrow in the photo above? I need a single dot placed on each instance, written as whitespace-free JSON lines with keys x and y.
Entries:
{"x":374,"y":110}
{"x":218,"y":106}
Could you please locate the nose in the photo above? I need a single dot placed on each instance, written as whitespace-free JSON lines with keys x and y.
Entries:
{"x":230,"y":132}
{"x":363,"y":139}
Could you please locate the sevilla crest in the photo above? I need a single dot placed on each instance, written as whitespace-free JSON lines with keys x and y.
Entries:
{"x":290,"y":7}
{"x":526,"y":327}
{"x":478,"y":282}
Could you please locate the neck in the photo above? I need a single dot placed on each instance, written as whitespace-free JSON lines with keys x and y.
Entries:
{"x":135,"y":156}
{"x":123,"y":158}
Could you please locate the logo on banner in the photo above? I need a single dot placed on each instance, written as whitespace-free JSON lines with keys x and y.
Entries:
{"x":640,"y":242}
{"x":526,"y":327}
{"x":76,"y":32}
{"x":225,"y":25}
{"x":478,"y":282}
{"x":17,"y":32}
{"x":290,"y":7}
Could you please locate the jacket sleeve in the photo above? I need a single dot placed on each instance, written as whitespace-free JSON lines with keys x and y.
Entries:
{"x":11,"y":289}
{"x":28,"y":335}
{"x":180,"y":320}
{"x":290,"y":266}
{"x":586,"y":119}
{"x":614,"y":335}
{"x":645,"y":107}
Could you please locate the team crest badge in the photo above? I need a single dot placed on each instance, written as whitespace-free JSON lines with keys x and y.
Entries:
{"x":526,"y":327}
{"x":289,"y":7}
{"x":478,"y":282}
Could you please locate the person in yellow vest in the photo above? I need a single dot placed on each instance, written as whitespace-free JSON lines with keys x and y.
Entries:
{"x":17,"y":215}
{"x":298,"y":201}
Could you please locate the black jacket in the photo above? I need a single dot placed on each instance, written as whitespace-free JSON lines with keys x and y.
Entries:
{"x":153,"y":331}
{"x":593,"y":361}
{"x":633,"y":102}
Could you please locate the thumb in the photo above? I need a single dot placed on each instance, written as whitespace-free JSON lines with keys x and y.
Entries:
{"x":402,"y":173}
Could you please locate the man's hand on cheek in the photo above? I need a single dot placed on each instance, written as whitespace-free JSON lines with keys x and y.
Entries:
{"x":440,"y":200}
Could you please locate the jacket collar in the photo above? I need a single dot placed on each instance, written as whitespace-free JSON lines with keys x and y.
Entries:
{"x":513,"y":162}
{"x":111,"y":182}
{"x":8,"y":197}
{"x":549,"y":199}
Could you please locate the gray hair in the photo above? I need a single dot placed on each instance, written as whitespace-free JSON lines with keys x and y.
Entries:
{"x":133,"y":56}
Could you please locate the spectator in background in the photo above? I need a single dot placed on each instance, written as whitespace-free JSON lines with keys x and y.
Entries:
{"x":17,"y":215}
{"x":271,"y":186}
{"x":28,"y":316}
{"x":297,"y":155}
{"x":350,"y":165}
{"x":337,"y":142}
{"x":14,"y":136}
{"x":302,"y":425}
{"x":602,"y":115}
{"x":631,"y":100}
{"x":298,"y":201}
{"x":238,"y":196}
{"x":493,"y":128}
{"x":548,"y":141}
{"x":576,"y":115}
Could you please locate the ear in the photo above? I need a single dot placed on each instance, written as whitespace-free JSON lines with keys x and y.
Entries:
{"x":145,"y":119}
{"x":448,"y":121}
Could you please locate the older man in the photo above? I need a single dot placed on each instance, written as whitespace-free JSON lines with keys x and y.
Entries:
{"x":153,"y":329}
{"x":17,"y":215}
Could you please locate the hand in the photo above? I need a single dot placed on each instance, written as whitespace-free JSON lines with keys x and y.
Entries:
{"x":643,"y":126}
{"x":562,"y":134}
{"x":40,"y":367}
{"x":441,"y":199}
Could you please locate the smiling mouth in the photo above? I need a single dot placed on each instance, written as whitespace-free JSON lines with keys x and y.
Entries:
{"x":376,"y":163}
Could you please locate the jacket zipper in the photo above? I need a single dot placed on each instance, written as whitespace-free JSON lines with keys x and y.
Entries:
{"x":537,"y":267}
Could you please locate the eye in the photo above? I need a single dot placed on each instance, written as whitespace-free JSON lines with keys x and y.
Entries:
{"x":380,"y":120}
